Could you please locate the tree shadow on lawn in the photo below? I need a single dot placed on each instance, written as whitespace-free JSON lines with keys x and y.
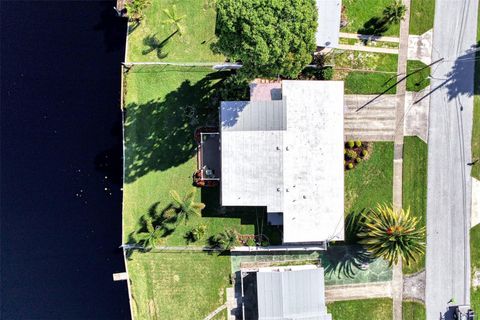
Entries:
{"x":154,"y":44}
{"x":375,"y":26}
{"x":159,"y":134}
{"x":256,"y":216}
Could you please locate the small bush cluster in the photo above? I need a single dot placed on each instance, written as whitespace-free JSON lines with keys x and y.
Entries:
{"x":354,"y":153}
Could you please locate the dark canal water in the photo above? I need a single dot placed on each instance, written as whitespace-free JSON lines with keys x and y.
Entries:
{"x":61,"y":161}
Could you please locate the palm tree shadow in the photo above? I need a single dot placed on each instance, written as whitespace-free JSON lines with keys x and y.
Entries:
{"x":154,"y":44}
{"x":345,"y":260}
{"x":375,"y":26}
{"x":459,"y":79}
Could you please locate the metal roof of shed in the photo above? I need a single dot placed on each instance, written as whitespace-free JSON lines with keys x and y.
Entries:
{"x":328,"y":30}
{"x":291,"y":295}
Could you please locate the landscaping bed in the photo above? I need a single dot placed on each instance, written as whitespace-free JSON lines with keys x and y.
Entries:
{"x":354,"y":153}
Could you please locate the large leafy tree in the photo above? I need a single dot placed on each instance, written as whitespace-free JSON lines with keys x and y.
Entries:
{"x":392,"y":234}
{"x":184,"y":208}
{"x":270,"y":37}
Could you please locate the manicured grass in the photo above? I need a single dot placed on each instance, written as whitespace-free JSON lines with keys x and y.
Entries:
{"x":415,"y":160}
{"x":369,"y":83}
{"x":371,"y":309}
{"x":475,"y":263}
{"x":419,"y":80}
{"x":364,"y":82}
{"x":476,"y":110}
{"x":177,"y":285}
{"x":360,"y":12}
{"x":192,"y":45}
{"x":371,"y":181}
{"x":422,"y":13}
{"x":413,"y":310}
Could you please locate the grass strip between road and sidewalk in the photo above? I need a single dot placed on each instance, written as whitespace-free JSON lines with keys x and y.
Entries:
{"x":415,"y":166}
{"x":412,"y":310}
{"x":371,"y":309}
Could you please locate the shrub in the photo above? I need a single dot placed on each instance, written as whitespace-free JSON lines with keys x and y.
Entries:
{"x":196,"y":233}
{"x":350,"y":166}
{"x":251,"y":243}
{"x":135,"y":9}
{"x":327,"y":73}
{"x":351,"y":144}
{"x":351,"y":154}
{"x":265,"y":243}
{"x":358,"y":159}
{"x":358,"y":143}
{"x":344,"y":151}
{"x":364,"y":153}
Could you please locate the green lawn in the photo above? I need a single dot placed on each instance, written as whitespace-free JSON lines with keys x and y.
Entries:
{"x":476,"y":112}
{"x":163,"y":108}
{"x":192,"y":45}
{"x":475,"y":262}
{"x":413,"y":310}
{"x":177,"y":285}
{"x":422,"y":13}
{"x":371,"y":182}
{"x":419,"y":80}
{"x":415,"y":159}
{"x":371,"y":309}
{"x":365,"y":82}
{"x":361,"y":12}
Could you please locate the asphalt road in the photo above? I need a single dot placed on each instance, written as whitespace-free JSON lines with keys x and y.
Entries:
{"x":449,"y":182}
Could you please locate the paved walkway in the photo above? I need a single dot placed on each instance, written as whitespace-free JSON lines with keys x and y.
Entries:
{"x":419,"y":46}
{"x":376,"y":121}
{"x":358,"y":291}
{"x":414,"y":287}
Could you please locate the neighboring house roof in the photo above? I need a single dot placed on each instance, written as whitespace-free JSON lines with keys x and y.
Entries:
{"x":328,"y":30}
{"x":291,"y":295}
{"x":287,"y":155}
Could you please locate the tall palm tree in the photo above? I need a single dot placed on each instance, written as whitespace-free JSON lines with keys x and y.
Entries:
{"x":392,"y":234}
{"x":394,"y":12}
{"x":226,"y":239}
{"x":149,"y":238}
{"x":185,"y":208}
{"x":173,"y":19}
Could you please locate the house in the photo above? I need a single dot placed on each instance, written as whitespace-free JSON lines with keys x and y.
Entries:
{"x":284,"y":293}
{"x":328,"y":29}
{"x":283,"y":150}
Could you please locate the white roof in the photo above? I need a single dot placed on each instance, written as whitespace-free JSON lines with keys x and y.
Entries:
{"x":287,"y":155}
{"x":328,"y":30}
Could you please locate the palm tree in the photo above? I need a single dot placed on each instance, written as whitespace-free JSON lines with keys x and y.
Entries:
{"x":226,"y":239}
{"x":392,"y":234}
{"x":394,"y":12}
{"x":185,"y":208}
{"x":149,"y":238}
{"x":173,"y":19}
